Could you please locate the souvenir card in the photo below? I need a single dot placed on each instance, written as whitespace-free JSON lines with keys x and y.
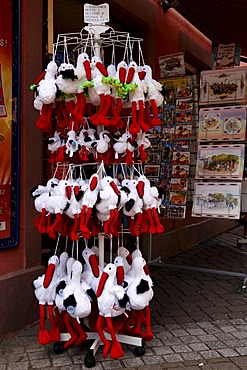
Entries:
{"x":222,"y":123}
{"x":168,"y":129}
{"x":165,"y":170}
{"x":178,"y":184}
{"x":166,"y":153}
{"x":181,"y":158}
{"x":154,"y":133}
{"x":180,"y":171}
{"x":182,"y":145}
{"x":178,"y":198}
{"x":170,"y":96}
{"x":154,"y":181}
{"x":155,"y":144}
{"x":223,"y":86}
{"x":183,"y":131}
{"x":184,"y":105}
{"x":153,"y":157}
{"x":220,"y":161}
{"x":217,"y":200}
{"x":176,"y":211}
{"x":184,"y":117}
{"x":185,"y":92}
{"x":172,"y":65}
{"x":151,"y":170}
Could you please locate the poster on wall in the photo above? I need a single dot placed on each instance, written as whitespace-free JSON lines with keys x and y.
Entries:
{"x":226,"y":56}
{"x":221,"y":200}
{"x":9,"y":93}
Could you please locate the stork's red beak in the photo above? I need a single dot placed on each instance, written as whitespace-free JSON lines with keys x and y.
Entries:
{"x":102,"y":282}
{"x":93,"y":183}
{"x":68,"y":191}
{"x":141,"y":75}
{"x":93,"y":260}
{"x":140,"y":189}
{"x":122,"y":74}
{"x":76,"y":190}
{"x":146,"y":270}
{"x":114,"y":187}
{"x":48,"y":275}
{"x":130,"y":75}
{"x":129,"y":259}
{"x":88,"y":71}
{"x":120,"y":274}
{"x":102,"y":69}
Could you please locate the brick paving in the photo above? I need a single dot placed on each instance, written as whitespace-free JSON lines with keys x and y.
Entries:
{"x":198,"y":319}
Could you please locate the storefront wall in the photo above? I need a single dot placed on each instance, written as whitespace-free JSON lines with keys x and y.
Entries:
{"x":164,"y":34}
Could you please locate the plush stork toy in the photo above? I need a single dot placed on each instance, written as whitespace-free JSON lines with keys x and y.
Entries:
{"x":140,"y":293}
{"x":151,"y":203}
{"x":137,"y":98}
{"x":74,"y":209}
{"x":133,"y":206}
{"x":102,"y":86}
{"x":78,"y":305}
{"x":41,"y":194}
{"x":154,"y":96}
{"x":107,"y":205}
{"x":108,"y":293}
{"x":45,"y":291}
{"x":46,"y":90}
{"x":88,"y":201}
{"x":56,"y":204}
{"x":143,"y":143}
{"x":127,"y":258}
{"x":124,"y":148}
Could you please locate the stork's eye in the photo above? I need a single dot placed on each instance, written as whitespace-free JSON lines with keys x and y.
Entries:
{"x":109,"y":268}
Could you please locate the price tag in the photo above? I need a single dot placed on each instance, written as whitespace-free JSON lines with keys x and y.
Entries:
{"x":96,"y":14}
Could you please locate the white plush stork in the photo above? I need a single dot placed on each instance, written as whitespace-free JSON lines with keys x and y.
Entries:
{"x":107,"y":295}
{"x":88,"y":201}
{"x":143,"y":143}
{"x":127,"y":258}
{"x":46,"y":95}
{"x":107,"y":205}
{"x":151,"y":203}
{"x":140,"y":293}
{"x":137,"y":98}
{"x":78,"y":305}
{"x":45,"y":291}
{"x":56,"y":204}
{"x":41,"y":194}
{"x":154,"y":96}
{"x":74,"y":209}
{"x":91,"y":270}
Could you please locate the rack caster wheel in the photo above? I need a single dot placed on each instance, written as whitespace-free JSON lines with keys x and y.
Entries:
{"x":140,"y":350}
{"x":240,"y":289}
{"x":89,"y":360}
{"x":58,"y":348}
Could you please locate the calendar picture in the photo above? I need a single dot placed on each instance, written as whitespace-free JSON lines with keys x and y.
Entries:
{"x":217,"y":200}
{"x":223,"y":86}
{"x":220,"y":161}
{"x":222,"y":123}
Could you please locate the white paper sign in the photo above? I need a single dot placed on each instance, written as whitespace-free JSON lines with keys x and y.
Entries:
{"x":96,"y":14}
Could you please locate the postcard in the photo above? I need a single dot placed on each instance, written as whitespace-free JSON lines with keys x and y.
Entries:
{"x":220,"y":161}
{"x":172,"y":65}
{"x":181,"y":145}
{"x":176,"y":211}
{"x":185,"y":92}
{"x":151,"y":170}
{"x":184,"y":117}
{"x":183,"y":131}
{"x":184,"y":105}
{"x":178,"y":184}
{"x":181,"y":171}
{"x":181,"y":158}
{"x":222,"y":123}
{"x":220,"y":200}
{"x":178,"y":197}
{"x":223,"y":86}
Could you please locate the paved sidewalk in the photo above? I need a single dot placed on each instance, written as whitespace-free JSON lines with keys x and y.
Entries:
{"x":199,"y":320}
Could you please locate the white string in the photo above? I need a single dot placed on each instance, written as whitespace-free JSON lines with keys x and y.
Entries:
{"x":137,"y":243}
{"x":55,"y":252}
{"x":111,"y":249}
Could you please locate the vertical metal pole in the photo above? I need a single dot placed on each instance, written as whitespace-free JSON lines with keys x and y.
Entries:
{"x":149,"y":247}
{"x":101,"y":250}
